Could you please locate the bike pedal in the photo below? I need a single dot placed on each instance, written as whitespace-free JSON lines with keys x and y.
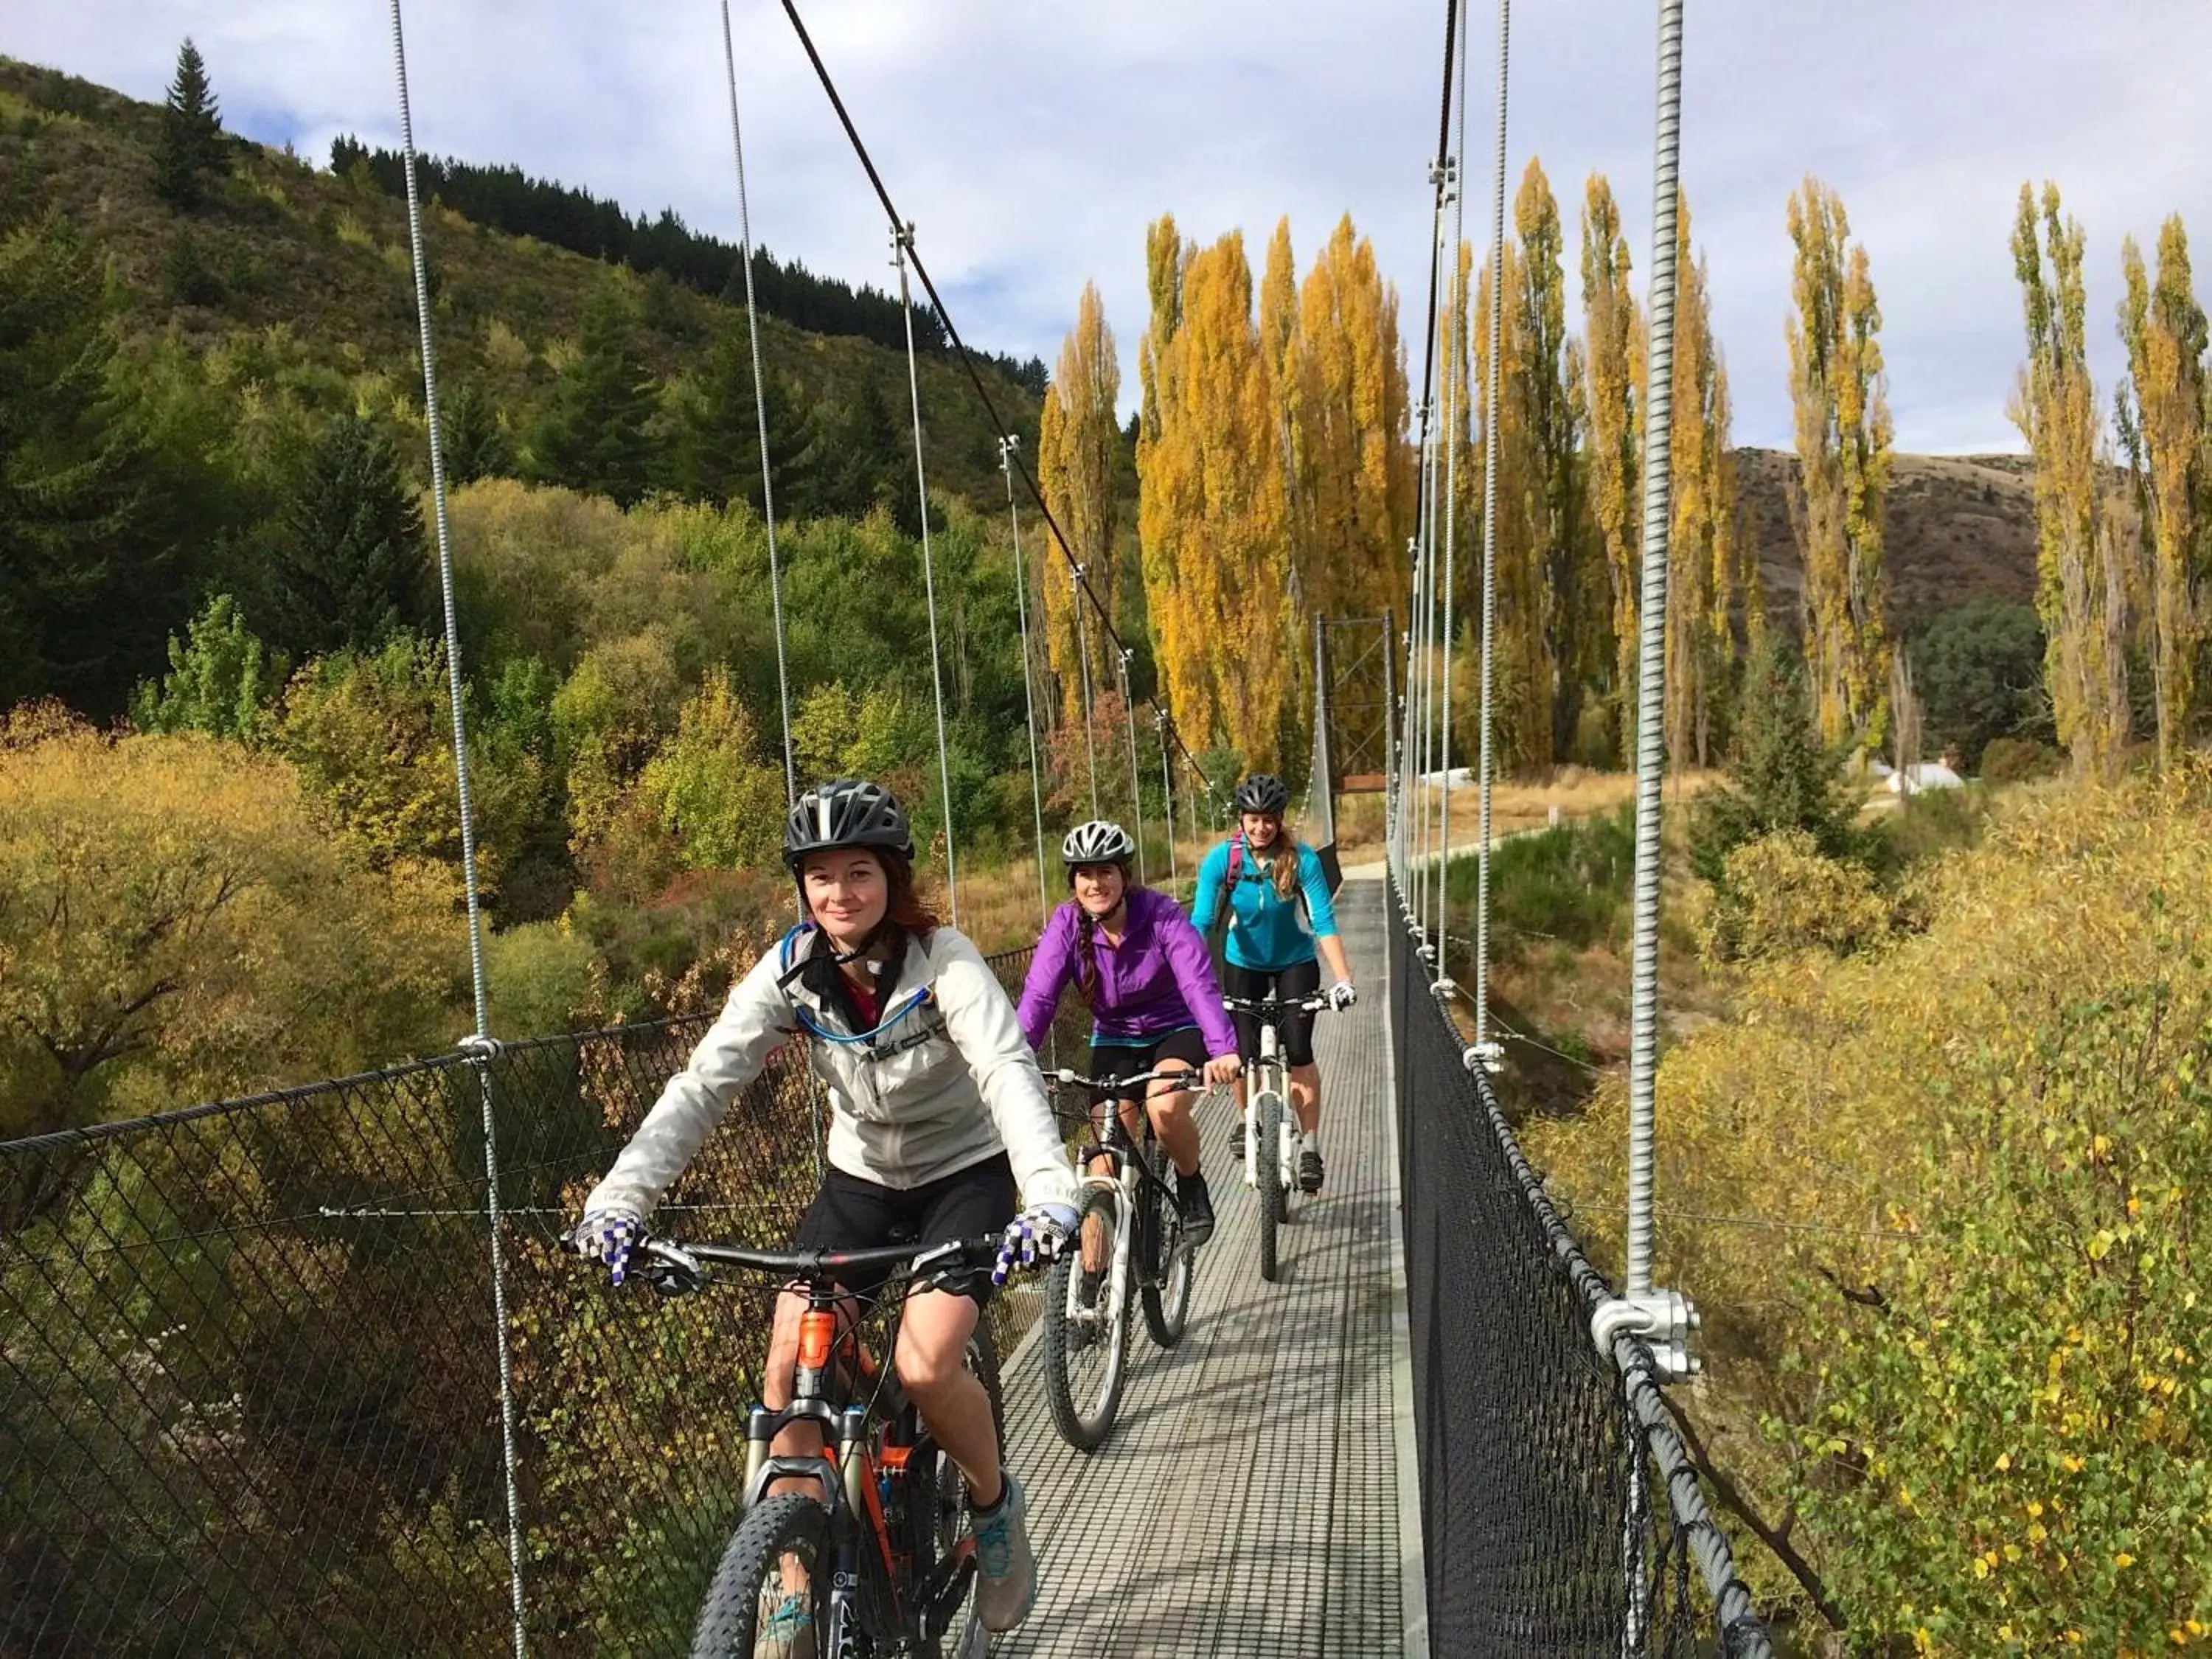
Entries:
{"x":942,"y":1605}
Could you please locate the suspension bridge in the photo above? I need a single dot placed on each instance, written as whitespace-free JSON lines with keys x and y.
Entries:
{"x":310,"y":1373}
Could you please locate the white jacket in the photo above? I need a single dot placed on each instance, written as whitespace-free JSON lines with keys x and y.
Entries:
{"x":945,"y":1081}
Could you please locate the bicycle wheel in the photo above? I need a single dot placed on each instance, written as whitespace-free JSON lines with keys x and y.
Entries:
{"x":1169,"y":1267}
{"x":1086,"y":1327}
{"x":1266,"y":1158}
{"x":753,"y":1606}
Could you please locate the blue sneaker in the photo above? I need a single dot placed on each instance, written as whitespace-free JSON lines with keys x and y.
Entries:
{"x":1007,"y":1575}
{"x":788,"y":1631}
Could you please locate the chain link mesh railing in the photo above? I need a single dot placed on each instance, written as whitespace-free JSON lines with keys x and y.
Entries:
{"x":1560,"y":1515}
{"x":249,"y":1393}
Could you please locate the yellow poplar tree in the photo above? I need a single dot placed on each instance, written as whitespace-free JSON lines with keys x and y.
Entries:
{"x":1612,"y":413}
{"x":1842,"y":433}
{"x":2080,"y":577}
{"x":1211,"y":506}
{"x":1167,"y":492}
{"x":1537,"y":403}
{"x":1348,"y":400}
{"x":2165,"y":330}
{"x":1521,"y":720}
{"x":1076,"y":440}
{"x":1703,"y":587}
{"x":1281,"y":349}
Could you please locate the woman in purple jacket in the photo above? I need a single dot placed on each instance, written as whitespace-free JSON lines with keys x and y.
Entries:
{"x":1144,"y":972}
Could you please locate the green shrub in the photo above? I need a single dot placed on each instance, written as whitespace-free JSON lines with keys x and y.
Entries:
{"x":2018,"y":760}
{"x":1570,"y":884}
{"x":1780,"y":898}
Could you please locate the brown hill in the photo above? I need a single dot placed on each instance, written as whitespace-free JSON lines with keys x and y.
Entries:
{"x":1959,"y":527}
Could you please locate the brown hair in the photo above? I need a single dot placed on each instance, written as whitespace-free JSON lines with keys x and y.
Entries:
{"x":1283,"y":858}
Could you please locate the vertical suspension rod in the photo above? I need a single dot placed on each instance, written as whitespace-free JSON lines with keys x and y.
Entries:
{"x":482,"y":1046}
{"x":1496,"y":320}
{"x":1651,"y":660}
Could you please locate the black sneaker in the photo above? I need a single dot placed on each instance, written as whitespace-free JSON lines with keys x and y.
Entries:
{"x":1310,"y":1169}
{"x":1196,"y":1206}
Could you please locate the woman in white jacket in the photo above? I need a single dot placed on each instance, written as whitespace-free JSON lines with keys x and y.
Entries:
{"x":938,"y":1112}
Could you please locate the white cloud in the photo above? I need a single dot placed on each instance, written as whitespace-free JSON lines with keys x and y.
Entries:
{"x":1032,"y":144}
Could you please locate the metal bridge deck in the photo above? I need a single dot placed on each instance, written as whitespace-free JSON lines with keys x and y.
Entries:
{"x":1248,"y":1501}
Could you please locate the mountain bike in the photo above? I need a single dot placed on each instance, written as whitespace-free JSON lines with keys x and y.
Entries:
{"x":878,"y":1561}
{"x":1268,"y":1122}
{"x":1130,"y":1239}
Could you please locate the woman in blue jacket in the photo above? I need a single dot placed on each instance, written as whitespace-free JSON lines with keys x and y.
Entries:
{"x":1281,"y":926}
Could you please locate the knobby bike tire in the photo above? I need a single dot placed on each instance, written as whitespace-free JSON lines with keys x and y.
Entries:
{"x":729,"y":1622}
{"x":1267,"y":1174}
{"x":1085,"y":1430}
{"x":1170,"y":1269}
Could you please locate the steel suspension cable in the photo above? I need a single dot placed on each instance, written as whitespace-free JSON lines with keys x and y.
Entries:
{"x":1455,"y":419}
{"x":1167,"y":799}
{"x":1496,"y":320}
{"x":1083,"y":661}
{"x":967,"y":361}
{"x":902,"y":246}
{"x":1651,"y":662}
{"x":760,"y":416}
{"x":1136,"y":795}
{"x":1008,"y":443}
{"x":482,"y":1045}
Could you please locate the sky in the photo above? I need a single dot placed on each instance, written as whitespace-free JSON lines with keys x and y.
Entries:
{"x":1031,"y":143}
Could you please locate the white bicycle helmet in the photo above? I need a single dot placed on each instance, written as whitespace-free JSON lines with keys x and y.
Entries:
{"x":1097,"y":843}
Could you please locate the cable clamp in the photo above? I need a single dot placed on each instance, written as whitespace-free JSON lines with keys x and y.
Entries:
{"x":1488,"y":1055}
{"x":1010,"y":444}
{"x":902,"y":240}
{"x":1665,"y":1322}
{"x":1445,"y":989}
{"x":480,"y":1049}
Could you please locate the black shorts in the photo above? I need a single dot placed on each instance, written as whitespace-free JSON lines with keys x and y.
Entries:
{"x":1118,"y":1060}
{"x":849,"y":1213}
{"x":1290,"y":984}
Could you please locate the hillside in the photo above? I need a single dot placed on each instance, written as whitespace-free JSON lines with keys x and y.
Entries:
{"x":314,"y":269}
{"x":1959,"y":527}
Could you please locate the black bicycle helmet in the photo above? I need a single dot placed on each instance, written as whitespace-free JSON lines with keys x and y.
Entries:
{"x":1263,"y":793}
{"x":849,"y":812}
{"x":1097,"y":843}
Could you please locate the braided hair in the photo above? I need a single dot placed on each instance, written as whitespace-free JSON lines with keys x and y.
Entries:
{"x":1086,"y":964}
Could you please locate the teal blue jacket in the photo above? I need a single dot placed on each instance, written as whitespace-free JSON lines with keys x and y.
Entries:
{"x":1266,"y":935}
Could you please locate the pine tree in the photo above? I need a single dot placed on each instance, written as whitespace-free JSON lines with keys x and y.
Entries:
{"x":593,"y":435}
{"x":1078,"y":445}
{"x":2081,"y":578}
{"x":1782,"y":775}
{"x":1843,"y":454}
{"x":351,"y":568}
{"x":2165,"y":330}
{"x":90,"y":576}
{"x":473,"y":441}
{"x":718,"y":438}
{"x":192,"y":148}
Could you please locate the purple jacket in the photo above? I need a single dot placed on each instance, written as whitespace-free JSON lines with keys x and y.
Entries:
{"x":1159,"y":979}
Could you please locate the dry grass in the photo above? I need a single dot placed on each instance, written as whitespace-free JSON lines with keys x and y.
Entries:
{"x":1516,"y":805}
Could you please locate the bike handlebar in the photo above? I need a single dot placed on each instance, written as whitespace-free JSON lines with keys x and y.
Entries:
{"x":681,"y":1266}
{"x":1269,"y":1008}
{"x":1196,"y":1082}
